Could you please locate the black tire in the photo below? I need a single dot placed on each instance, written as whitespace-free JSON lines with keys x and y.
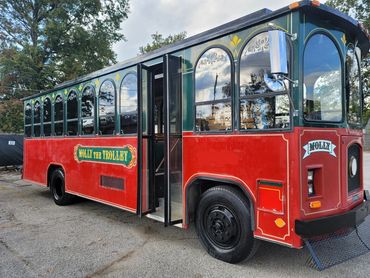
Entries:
{"x":57,"y":188}
{"x":223,"y":225}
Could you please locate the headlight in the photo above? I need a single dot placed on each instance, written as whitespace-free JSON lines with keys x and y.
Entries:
{"x":353,"y":166}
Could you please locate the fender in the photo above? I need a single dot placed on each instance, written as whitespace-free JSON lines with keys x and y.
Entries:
{"x":233,"y":181}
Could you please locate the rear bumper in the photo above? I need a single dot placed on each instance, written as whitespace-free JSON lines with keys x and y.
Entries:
{"x":330,"y":224}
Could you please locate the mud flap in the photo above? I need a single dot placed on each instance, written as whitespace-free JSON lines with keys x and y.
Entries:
{"x":332,"y":249}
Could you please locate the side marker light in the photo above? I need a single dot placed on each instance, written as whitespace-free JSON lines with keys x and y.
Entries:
{"x":315,"y":3}
{"x":315,"y":204}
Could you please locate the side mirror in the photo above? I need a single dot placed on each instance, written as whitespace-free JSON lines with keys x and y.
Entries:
{"x":278,"y":53}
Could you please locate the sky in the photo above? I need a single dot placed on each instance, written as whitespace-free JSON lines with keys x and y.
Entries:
{"x":174,"y":16}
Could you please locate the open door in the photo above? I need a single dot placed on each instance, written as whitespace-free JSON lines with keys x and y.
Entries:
{"x":145,"y":141}
{"x":173,"y":139}
{"x":160,"y":140}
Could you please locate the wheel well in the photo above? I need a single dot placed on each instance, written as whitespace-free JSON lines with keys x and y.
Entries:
{"x":52,"y":168}
{"x":198,"y":186}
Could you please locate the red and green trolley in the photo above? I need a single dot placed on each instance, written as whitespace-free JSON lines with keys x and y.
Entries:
{"x":251,"y":130}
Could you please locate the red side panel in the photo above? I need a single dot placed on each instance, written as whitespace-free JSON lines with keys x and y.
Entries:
{"x":248,"y":159}
{"x":83,"y":178}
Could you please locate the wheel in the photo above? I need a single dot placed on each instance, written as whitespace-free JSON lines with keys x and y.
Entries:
{"x":223,"y":225}
{"x":61,"y":198}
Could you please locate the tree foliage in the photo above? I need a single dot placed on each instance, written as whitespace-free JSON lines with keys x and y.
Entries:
{"x":360,"y":10}
{"x":11,"y":120}
{"x":45,"y":42}
{"x":159,"y":41}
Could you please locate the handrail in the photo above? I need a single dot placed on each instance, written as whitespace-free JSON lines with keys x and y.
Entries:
{"x":161,"y":163}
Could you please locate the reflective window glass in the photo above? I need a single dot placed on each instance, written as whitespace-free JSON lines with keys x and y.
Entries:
{"x":107,"y":97}
{"x":260,"y":107}
{"x":72,"y":106}
{"x":27,"y":131}
{"x":36,"y":119}
{"x":28,"y":120}
{"x":72,"y":113}
{"x":47,"y":110}
{"x":213,"y":76}
{"x":28,"y":114}
{"x":322,"y":88}
{"x":88,"y":110}
{"x":36,"y":130}
{"x":213,"y":116}
{"x":213,"y":91}
{"x":264,"y":112}
{"x":254,"y":65}
{"x":58,"y":115}
{"x":47,"y":117}
{"x":58,"y":109}
{"x":128,"y":104}
{"x":36,"y":112}
{"x":353,"y":91}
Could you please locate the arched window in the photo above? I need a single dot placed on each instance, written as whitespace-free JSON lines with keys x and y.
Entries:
{"x":72,"y":113}
{"x":88,"y":110}
{"x":353,"y":92}
{"x":36,"y":119}
{"x":107,"y":100}
{"x":260,"y":108}
{"x":322,"y":88}
{"x":28,"y":120}
{"x":58,"y":116}
{"x":213,"y":91}
{"x":47,"y":117}
{"x":128,"y":104}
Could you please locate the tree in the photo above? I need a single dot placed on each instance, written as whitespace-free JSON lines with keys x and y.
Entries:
{"x":45,"y":42}
{"x":359,"y":9}
{"x":10,"y":119}
{"x":159,"y":41}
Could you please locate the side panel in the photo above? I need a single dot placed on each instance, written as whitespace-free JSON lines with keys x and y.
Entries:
{"x":260,"y":162}
{"x":104,"y":179}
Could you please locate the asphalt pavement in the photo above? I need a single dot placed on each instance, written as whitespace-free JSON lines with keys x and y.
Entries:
{"x":88,"y":239}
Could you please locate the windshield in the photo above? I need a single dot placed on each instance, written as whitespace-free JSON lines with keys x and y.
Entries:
{"x":322,"y":88}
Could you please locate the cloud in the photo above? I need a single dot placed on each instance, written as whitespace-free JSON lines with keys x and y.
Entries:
{"x":174,"y":16}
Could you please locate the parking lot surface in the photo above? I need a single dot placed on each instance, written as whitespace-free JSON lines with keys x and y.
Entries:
{"x":88,"y":239}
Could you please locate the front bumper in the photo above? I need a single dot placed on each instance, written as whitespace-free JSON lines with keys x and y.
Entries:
{"x":330,"y":224}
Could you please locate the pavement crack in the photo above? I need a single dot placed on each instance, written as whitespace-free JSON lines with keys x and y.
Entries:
{"x":104,"y":269}
{"x":18,"y":256}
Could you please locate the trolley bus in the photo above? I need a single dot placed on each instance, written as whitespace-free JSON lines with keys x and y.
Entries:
{"x":250,"y":131}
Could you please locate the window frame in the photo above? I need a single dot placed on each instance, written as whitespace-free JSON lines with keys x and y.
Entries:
{"x":346,"y":100}
{"x":230,"y":100}
{"x":119,"y":103}
{"x":341,"y":62}
{"x":115,"y":109}
{"x":290,"y":57}
{"x":95,"y":111}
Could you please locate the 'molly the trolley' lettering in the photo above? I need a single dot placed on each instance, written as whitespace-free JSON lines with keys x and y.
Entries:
{"x":250,"y":131}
